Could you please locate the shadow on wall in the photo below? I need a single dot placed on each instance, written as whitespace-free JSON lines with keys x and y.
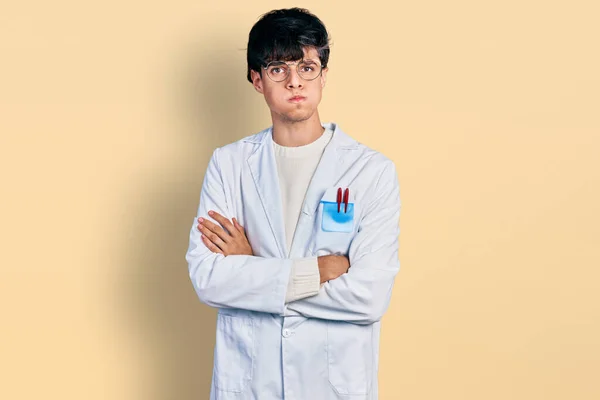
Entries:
{"x":175,"y":332}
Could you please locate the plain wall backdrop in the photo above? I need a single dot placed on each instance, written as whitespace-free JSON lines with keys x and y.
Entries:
{"x":110,"y":111}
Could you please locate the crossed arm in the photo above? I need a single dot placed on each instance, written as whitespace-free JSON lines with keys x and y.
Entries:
{"x":229,"y":238}
{"x":235,"y":278}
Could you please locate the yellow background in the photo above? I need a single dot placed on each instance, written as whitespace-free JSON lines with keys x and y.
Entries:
{"x":109,"y":113}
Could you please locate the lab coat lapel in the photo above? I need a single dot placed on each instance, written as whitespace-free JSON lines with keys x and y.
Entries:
{"x":326,"y":175}
{"x":263,"y":167}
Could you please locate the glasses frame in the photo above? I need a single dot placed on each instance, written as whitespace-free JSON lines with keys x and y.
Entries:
{"x":288,"y":71}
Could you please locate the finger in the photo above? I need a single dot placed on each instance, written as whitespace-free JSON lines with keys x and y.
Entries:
{"x":223,"y":234}
{"x":238,"y":226}
{"x":211,"y":246}
{"x":214,"y":237}
{"x":223,"y":221}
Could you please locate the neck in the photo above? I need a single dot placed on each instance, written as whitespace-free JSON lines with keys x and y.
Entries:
{"x":292,"y":133}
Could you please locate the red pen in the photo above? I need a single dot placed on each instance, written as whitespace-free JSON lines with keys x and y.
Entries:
{"x":339,"y":198}
{"x":346,"y":195}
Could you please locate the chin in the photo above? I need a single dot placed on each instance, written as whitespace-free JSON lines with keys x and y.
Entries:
{"x":295,"y":117}
{"x":300,"y":115}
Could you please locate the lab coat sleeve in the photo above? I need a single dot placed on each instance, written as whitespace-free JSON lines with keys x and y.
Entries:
{"x":233,"y":281}
{"x":362,"y":295}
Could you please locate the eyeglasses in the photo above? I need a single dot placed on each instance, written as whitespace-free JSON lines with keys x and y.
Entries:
{"x":279,"y":71}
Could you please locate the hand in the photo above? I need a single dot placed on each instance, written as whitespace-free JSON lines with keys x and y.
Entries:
{"x":332,"y":266}
{"x":232,"y":241}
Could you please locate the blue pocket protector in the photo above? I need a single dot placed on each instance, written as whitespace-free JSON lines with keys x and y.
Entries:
{"x":334,"y":221}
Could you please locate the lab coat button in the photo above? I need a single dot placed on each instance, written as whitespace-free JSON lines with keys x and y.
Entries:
{"x":287,"y":333}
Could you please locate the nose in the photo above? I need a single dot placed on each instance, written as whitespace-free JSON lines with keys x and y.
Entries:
{"x":294,"y":79}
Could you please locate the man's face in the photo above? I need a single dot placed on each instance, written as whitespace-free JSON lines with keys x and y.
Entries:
{"x":278,"y":94}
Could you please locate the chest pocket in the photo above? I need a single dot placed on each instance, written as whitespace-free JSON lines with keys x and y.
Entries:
{"x":334,"y":230}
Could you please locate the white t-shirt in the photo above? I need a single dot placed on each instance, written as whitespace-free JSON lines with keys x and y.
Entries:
{"x":295,"y":167}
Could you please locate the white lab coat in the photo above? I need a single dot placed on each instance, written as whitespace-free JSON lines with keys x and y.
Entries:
{"x":321,"y":347}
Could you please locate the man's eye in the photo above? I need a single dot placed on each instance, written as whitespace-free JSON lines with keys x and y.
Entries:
{"x":309,"y":69}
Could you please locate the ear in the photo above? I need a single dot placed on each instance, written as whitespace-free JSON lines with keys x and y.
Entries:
{"x":256,"y":81}
{"x":324,"y":76}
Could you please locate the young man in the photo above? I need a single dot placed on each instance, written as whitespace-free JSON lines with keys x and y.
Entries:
{"x":296,"y":236}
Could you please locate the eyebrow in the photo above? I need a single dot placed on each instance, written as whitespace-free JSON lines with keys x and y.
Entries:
{"x":307,"y":60}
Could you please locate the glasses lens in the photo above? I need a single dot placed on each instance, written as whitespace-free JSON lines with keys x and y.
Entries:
{"x":278,"y":71}
{"x":309,"y":70}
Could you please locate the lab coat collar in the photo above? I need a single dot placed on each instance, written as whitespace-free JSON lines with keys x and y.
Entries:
{"x":263,"y":167}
